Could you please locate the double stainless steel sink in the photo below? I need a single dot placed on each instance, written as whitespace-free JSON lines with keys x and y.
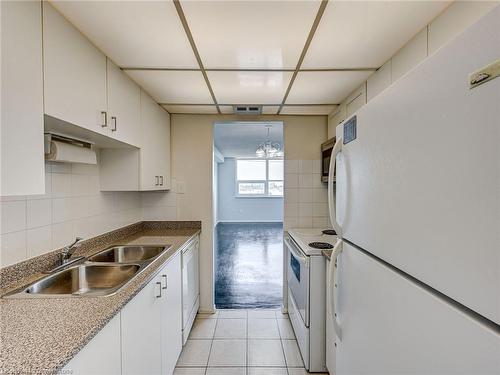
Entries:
{"x":101,"y":274}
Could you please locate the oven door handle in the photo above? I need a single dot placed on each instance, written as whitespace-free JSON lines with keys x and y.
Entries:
{"x":295,"y":252}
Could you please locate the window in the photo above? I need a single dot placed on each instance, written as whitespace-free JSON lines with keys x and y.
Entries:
{"x":259,"y":178}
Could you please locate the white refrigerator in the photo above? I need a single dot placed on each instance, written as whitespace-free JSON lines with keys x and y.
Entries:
{"x":417,"y":275}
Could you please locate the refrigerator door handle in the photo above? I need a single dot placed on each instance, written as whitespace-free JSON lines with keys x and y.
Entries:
{"x":337,"y":149}
{"x":337,"y":249}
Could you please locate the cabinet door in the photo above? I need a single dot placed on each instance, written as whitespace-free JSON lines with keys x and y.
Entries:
{"x":155,"y":145}
{"x":171,"y":314}
{"x":22,"y":161}
{"x":124,"y":106}
{"x":164,"y":150}
{"x":141,"y":332}
{"x":102,"y":355}
{"x":74,"y":74}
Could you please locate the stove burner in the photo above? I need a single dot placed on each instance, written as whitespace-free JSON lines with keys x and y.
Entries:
{"x":321,"y":245}
{"x":330,"y":232}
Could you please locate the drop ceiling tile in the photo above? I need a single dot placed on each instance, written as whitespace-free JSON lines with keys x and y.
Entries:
{"x":202,"y":109}
{"x":250,"y":34}
{"x":367,"y":33}
{"x":173,"y":87}
{"x":133,"y":33}
{"x":249,"y":87}
{"x":324,"y":87}
{"x":308,"y":110}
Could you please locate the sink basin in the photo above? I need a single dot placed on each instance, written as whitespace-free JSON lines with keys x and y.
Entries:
{"x":128,"y":254}
{"x":92,"y":279}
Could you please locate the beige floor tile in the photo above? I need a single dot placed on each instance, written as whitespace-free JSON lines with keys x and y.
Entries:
{"x":263,"y":329}
{"x":203,"y":329}
{"x":232,"y":314}
{"x":265,"y":353}
{"x":189,"y":371}
{"x":226,"y":371}
{"x":228,"y":353}
{"x":195,"y":353}
{"x":267,"y":371}
{"x":262,"y":314}
{"x":292,"y":354}
{"x":286,"y":330}
{"x":231,"y":329}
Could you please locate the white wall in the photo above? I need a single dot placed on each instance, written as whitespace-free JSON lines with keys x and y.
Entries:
{"x":451,"y":22}
{"x":236,"y":209}
{"x":71,"y":206}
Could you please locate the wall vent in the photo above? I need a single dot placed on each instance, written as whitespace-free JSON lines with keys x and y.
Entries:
{"x":247,"y":109}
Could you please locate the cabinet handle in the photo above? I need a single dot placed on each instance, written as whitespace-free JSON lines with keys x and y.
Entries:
{"x":104,"y":115}
{"x":159,"y":283}
{"x":166,"y":281}
{"x":157,"y":180}
{"x":161,"y":183}
{"x":113,"y":118}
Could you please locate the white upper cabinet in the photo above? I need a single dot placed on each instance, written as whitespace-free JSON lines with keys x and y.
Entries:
{"x":146,"y":168}
{"x":22,"y":160}
{"x":155,"y":145}
{"x":74,"y":74}
{"x":124,"y":106}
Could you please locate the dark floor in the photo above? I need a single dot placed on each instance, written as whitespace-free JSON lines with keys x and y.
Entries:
{"x":249,"y":265}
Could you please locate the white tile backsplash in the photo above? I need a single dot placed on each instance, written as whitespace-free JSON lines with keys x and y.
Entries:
{"x":72,"y":206}
{"x":38,"y":240}
{"x":13,"y":248}
{"x":306,"y":166}
{"x":13,"y":215}
{"x":306,"y":197}
{"x":39,"y":213}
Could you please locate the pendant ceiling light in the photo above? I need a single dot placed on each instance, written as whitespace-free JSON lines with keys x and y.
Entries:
{"x":269,"y":149}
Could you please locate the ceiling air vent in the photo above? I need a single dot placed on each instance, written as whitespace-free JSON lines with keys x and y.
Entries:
{"x":247,"y":109}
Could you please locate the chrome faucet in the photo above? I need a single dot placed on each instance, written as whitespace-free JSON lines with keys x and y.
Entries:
{"x":69,"y":250}
{"x":65,"y":255}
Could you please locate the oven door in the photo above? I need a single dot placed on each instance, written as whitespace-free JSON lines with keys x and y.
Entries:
{"x":298,"y":278}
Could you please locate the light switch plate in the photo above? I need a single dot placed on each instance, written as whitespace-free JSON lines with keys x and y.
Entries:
{"x":181,"y":187}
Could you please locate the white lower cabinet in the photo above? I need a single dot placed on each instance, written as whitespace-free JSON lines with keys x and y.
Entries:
{"x":145,"y":338}
{"x":152,"y":324}
{"x":141,"y":339}
{"x":171,"y":315}
{"x":330,"y":333}
{"x":102,"y":355}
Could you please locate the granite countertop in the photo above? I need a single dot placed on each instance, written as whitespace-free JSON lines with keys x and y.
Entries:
{"x":41,"y":335}
{"x":327,"y":254}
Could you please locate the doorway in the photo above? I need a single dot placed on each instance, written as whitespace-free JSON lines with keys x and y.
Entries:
{"x":248,"y":214}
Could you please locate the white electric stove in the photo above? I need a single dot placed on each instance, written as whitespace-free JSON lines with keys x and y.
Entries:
{"x":307,"y":292}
